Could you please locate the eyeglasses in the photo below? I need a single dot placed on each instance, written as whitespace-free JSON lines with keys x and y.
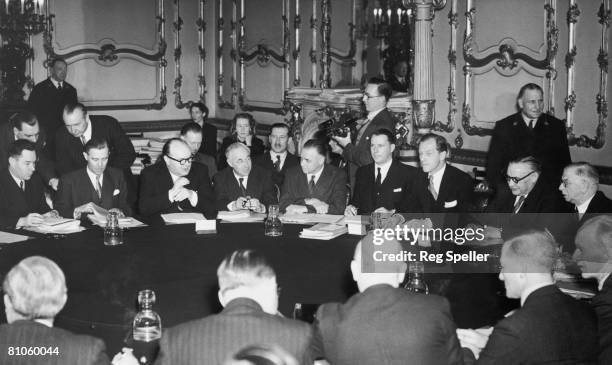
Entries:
{"x":516,"y":180}
{"x":183,"y":162}
{"x":565,"y":183}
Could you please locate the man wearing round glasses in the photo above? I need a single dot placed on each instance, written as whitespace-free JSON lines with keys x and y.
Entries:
{"x":174,"y":184}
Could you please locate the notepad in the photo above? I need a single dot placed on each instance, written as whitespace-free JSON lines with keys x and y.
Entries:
{"x":182,"y":218}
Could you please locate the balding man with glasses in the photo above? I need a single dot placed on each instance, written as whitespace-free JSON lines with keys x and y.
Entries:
{"x":174,"y":184}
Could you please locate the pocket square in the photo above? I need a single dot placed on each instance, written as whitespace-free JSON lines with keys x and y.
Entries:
{"x":116,"y":192}
{"x":450,"y":204}
{"x":398,"y":190}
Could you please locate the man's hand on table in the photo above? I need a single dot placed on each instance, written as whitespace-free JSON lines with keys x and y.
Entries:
{"x":296,"y":209}
{"x":320,"y":207}
{"x":125,"y":357}
{"x":350,"y":210}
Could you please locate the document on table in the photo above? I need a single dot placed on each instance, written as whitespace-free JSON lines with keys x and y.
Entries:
{"x":240,"y":216}
{"x":58,"y":225}
{"x":308,"y":218}
{"x":182,"y":218}
{"x":6,"y":237}
{"x":127,"y":222}
{"x":323,"y":231}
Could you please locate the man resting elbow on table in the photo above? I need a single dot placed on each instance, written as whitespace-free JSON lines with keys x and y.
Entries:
{"x":314,"y":187}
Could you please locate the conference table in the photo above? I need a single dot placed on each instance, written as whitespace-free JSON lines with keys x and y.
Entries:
{"x":180,"y":266}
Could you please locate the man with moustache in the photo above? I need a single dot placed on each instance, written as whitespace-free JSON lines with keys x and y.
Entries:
{"x":278,"y":160}
{"x":174,"y":184}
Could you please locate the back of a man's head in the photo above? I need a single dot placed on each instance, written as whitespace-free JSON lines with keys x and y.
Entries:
{"x":247,"y":274}
{"x":375,"y":263}
{"x":35,"y":288}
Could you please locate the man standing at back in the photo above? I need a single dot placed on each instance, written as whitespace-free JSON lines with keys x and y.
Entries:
{"x":528,"y":133}
{"x":385,"y":324}
{"x":48,"y":99}
{"x":248,"y":291}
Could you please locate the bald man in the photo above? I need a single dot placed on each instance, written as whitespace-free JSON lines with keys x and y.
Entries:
{"x":174,"y":184}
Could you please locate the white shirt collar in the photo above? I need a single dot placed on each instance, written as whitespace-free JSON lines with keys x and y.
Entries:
{"x":55,"y":82}
{"x":582,"y":208}
{"x":527,"y":119}
{"x":533,"y":288}
{"x":317,"y":175}
{"x":603,"y":276}
{"x":372,"y":115}
{"x":283,"y":156}
{"x":87,"y":132}
{"x":17,"y":180}
{"x":92,"y":177}
{"x":244,"y":181}
{"x":437,"y":177}
{"x":384,"y":169}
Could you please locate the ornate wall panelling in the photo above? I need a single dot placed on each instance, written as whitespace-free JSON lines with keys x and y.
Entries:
{"x":108,"y":53}
{"x":263,"y":55}
{"x":604,"y":15}
{"x":345,"y":58}
{"x":297,"y":23}
{"x":451,"y":93}
{"x":313,"y":48}
{"x":177,"y":26}
{"x":224,"y":103}
{"x":507,"y":58}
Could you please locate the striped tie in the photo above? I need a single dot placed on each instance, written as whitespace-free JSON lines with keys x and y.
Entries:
{"x":519,"y":204}
{"x":98,"y":186}
{"x":432,"y":188}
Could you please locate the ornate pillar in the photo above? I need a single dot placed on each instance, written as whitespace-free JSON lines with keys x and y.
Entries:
{"x":423,"y":93}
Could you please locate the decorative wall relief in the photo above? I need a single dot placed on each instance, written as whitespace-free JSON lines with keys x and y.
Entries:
{"x":107,"y":52}
{"x":313,"y":48}
{"x":223,"y":103}
{"x":346,"y":58}
{"x":451,"y":94}
{"x":325,"y":80}
{"x":604,"y":15}
{"x":297,"y":22}
{"x":507,"y":58}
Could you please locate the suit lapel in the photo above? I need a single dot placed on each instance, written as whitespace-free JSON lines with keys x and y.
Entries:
{"x":108,"y":188}
{"x":445,"y":185}
{"x":86,"y":181}
{"x":322,"y":182}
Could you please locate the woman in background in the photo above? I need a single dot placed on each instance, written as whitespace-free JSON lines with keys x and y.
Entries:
{"x":242,"y":130}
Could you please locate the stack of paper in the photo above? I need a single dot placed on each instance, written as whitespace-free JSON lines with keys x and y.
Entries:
{"x":242,"y":216}
{"x":307,"y":218}
{"x":127,"y":222}
{"x":323,"y":231}
{"x":58,"y":225}
{"x":182,"y":218}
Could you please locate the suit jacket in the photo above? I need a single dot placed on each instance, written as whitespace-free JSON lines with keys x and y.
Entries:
{"x":48,"y":103}
{"x":214,"y":339}
{"x":550,"y":328}
{"x":207,"y":160}
{"x":156,"y":181}
{"x":543,"y":198}
{"x":257,"y":148}
{"x":71,"y":349}
{"x":44,"y":165}
{"x":357,"y":155}
{"x":17,"y":203}
{"x":278,"y":177}
{"x":385,"y":325}
{"x":330,"y":188}
{"x":397,"y":85}
{"x":395,"y":192}
{"x":600,"y":204}
{"x":69,"y":149}
{"x":453,"y":197}
{"x":513,"y":139}
{"x":209,"y":140}
{"x":259,"y":186}
{"x":602,"y":303}
{"x":75,"y":189}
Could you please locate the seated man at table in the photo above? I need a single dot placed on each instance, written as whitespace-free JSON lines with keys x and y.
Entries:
{"x":580,"y":187}
{"x":248,"y":291}
{"x":34,"y":293}
{"x":384,"y":185}
{"x":94,"y":189}
{"x":385,"y":324}
{"x":594,"y":257}
{"x":278,"y":160}
{"x":314,"y":186}
{"x":24,"y":125}
{"x":550,"y":327}
{"x":174,"y":184}
{"x":191,"y":133}
{"x":243,"y":185}
{"x":22,"y":191}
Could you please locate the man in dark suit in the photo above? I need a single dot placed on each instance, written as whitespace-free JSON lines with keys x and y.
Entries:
{"x":528,"y":133}
{"x":48,"y":99}
{"x":439,"y":187}
{"x":399,"y":79}
{"x":278,"y":160}
{"x":94,"y":189}
{"x":357,"y":152}
{"x":24,"y":125}
{"x":199,"y":114}
{"x":550,"y":327}
{"x":314,"y":187}
{"x":175,"y":184}
{"x":80,"y":128}
{"x":594,"y":257}
{"x":191,"y":133}
{"x":243,"y":185}
{"x":249,"y":294}
{"x":385,"y":324}
{"x":580,"y":187}
{"x":384,"y":185}
{"x":34,"y":292}
{"x":22,"y":192}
